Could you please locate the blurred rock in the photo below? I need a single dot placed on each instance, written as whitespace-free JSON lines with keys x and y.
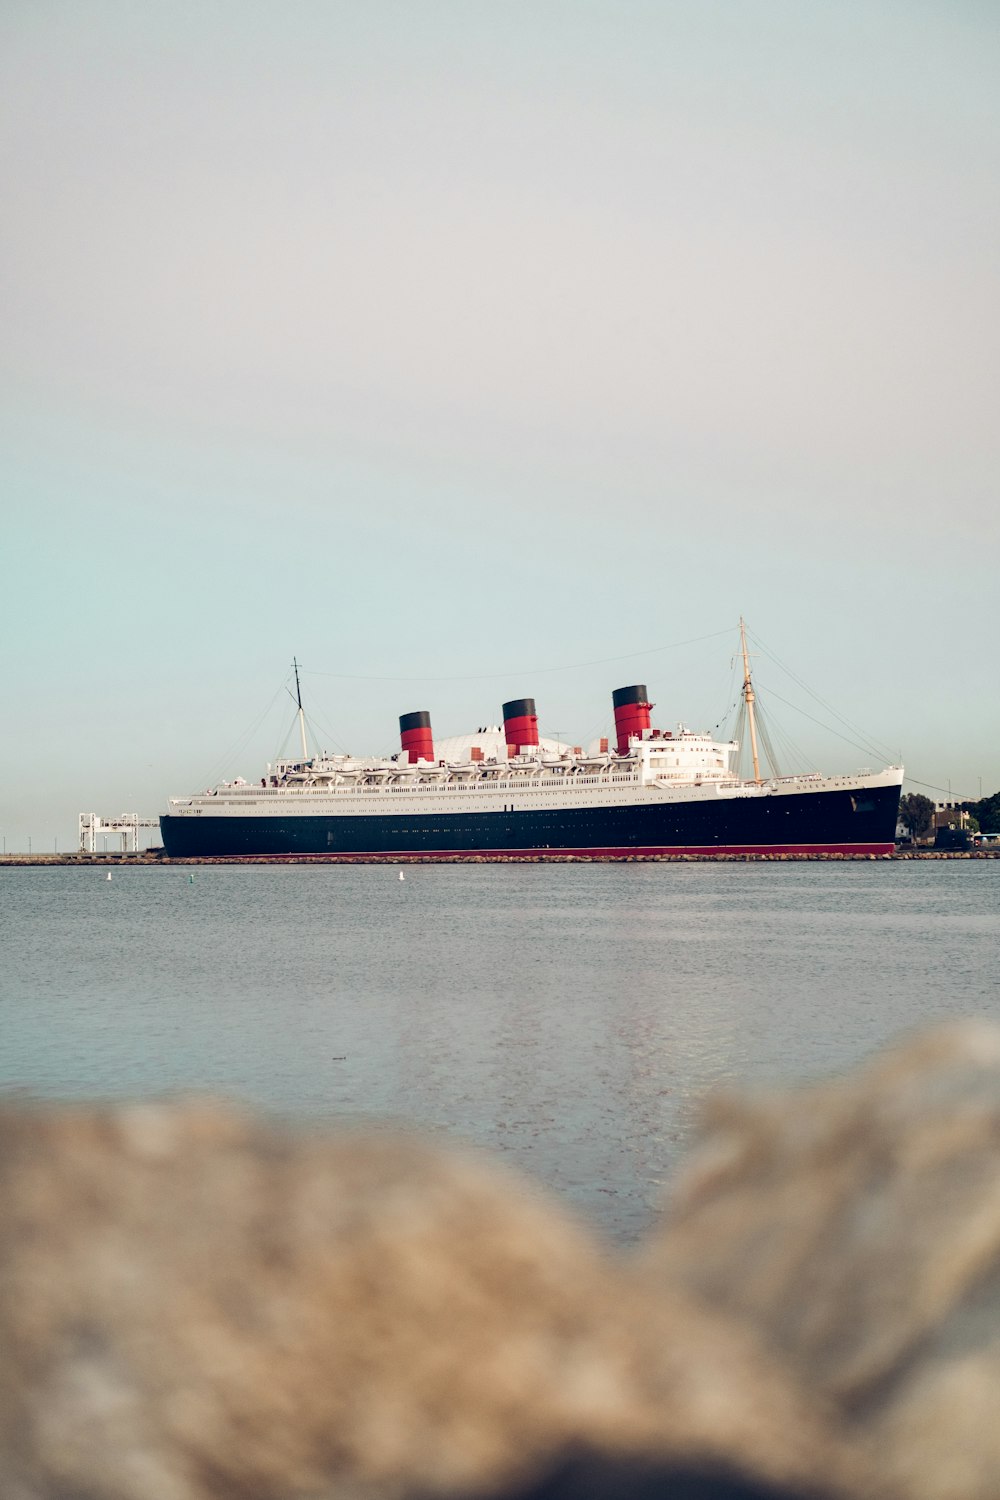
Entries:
{"x":194,"y":1305}
{"x":592,"y":1476}
{"x":856,"y":1226}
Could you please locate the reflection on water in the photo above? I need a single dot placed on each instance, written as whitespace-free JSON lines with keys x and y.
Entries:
{"x":571,"y":1017}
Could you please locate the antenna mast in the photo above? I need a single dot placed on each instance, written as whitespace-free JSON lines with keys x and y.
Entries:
{"x":748,"y":698}
{"x":302,"y":717}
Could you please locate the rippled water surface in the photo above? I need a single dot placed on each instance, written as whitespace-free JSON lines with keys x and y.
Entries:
{"x":571,"y":1017}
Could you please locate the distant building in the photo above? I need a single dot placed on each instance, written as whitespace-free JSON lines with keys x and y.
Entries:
{"x":950,"y":815}
{"x":951,"y":826}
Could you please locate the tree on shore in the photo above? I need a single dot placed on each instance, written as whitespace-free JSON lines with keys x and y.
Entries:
{"x":916,"y":813}
{"x":986,"y":812}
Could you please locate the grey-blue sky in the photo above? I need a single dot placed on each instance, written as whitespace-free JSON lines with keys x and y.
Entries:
{"x":447,"y":338}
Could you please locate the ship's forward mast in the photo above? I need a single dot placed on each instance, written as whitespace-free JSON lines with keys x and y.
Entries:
{"x":302,"y":717}
{"x":749,"y":700}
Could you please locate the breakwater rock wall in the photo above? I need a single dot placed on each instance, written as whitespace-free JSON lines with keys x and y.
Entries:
{"x":196,"y":1304}
{"x":157,"y":857}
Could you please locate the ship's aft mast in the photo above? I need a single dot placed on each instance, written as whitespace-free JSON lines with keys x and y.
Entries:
{"x":302,"y":717}
{"x":748,"y":698}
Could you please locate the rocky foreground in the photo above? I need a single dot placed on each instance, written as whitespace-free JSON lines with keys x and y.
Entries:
{"x":194,"y":1304}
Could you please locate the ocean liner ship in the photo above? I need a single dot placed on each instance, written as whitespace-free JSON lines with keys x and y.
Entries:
{"x":507,"y":793}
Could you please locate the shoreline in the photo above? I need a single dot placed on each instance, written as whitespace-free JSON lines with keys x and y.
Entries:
{"x":147,"y":859}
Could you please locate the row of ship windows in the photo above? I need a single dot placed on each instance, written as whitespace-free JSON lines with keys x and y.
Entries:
{"x":522,"y":794}
{"x":361,"y":792}
{"x":478,"y":787}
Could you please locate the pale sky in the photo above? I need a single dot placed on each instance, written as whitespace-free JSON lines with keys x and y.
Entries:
{"x":462,"y":341}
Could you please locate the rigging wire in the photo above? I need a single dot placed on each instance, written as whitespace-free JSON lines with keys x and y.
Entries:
{"x":770,"y":730}
{"x":793,"y":752}
{"x":870,"y":747}
{"x":727,"y":717}
{"x":331,"y":739}
{"x":740,"y":733}
{"x":521,"y":672}
{"x":864,"y":748}
{"x":242,"y":740}
{"x":766,"y":746}
{"x":288,"y":734}
{"x":731,"y":693}
{"x":312,"y":725}
{"x":946,"y":789}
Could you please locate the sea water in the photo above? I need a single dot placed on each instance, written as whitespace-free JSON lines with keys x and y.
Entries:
{"x":570,"y":1018}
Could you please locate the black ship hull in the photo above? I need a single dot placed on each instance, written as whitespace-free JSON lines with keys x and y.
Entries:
{"x":861,"y":820}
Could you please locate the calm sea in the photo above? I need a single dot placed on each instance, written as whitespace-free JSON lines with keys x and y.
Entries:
{"x":568,"y":1017}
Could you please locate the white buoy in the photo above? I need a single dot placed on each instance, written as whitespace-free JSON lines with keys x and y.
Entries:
{"x":109,"y":874}
{"x":190,"y":880}
{"x":401,"y":875}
